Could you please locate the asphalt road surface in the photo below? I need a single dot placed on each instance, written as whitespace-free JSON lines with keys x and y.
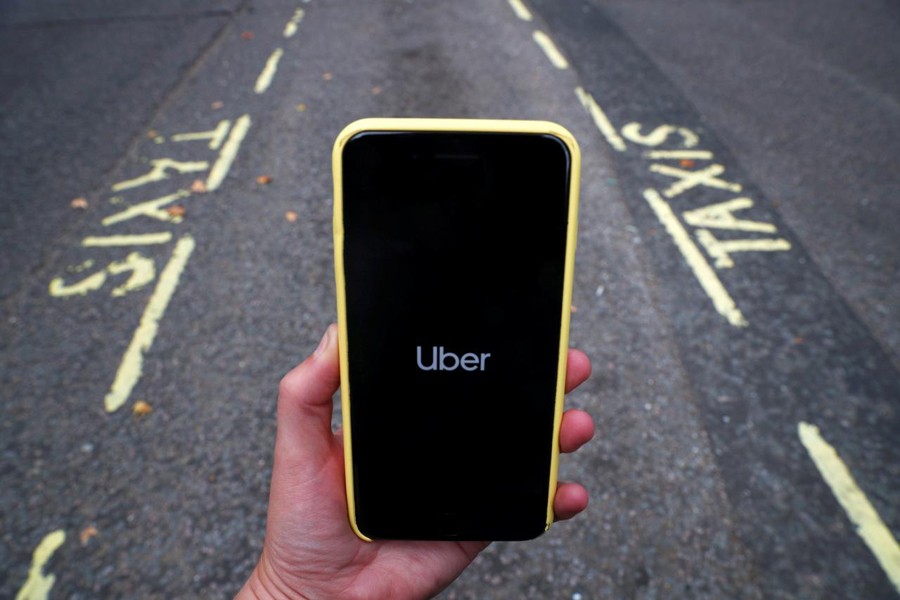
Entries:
{"x":165,"y":244}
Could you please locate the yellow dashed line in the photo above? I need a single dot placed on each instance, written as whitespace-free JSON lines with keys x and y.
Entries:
{"x":265,"y":76}
{"x":291,"y":28}
{"x":862,"y":514}
{"x":553,"y":54}
{"x":130,"y":368}
{"x":520,"y":9}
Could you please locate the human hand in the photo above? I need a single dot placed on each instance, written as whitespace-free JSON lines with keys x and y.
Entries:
{"x":310,"y":551}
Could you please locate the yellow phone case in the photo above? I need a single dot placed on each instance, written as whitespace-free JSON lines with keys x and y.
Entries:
{"x":453,"y":125}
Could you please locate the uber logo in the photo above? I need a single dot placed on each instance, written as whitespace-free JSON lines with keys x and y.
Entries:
{"x":442,"y":360}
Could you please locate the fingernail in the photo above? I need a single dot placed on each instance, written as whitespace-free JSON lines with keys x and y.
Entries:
{"x":324,"y":342}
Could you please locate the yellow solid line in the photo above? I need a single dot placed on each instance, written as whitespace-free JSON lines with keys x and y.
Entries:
{"x":133,"y":360}
{"x":38,"y":585}
{"x":127,"y":240}
{"x":229,"y":151}
{"x":268,"y":72}
{"x":600,"y":119}
{"x":704,"y":273}
{"x":550,"y":49}
{"x":291,"y":28}
{"x":862,"y":514}
{"x":521,"y":11}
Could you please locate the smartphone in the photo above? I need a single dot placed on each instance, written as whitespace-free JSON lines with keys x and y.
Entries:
{"x":454,"y":251}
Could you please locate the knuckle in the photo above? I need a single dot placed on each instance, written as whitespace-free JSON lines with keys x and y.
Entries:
{"x":289,"y":384}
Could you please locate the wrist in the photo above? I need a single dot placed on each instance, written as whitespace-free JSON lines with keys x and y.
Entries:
{"x":264,"y":584}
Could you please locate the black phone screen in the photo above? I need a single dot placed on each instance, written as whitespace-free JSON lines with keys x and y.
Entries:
{"x":454,"y":262}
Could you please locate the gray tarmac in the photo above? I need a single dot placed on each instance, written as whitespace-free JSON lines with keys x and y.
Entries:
{"x":700,"y":486}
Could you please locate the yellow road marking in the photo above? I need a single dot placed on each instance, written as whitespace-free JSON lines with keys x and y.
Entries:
{"x":291,"y":28}
{"x":215,"y":136}
{"x":142,"y":269}
{"x":680,"y":154}
{"x":704,"y":273}
{"x":82,"y":267}
{"x":60,"y":289}
{"x":708,"y":177}
{"x":600,"y":120}
{"x":721,"y":250}
{"x":158,"y":172}
{"x":521,"y":11}
{"x":721,"y":216}
{"x":265,"y":76}
{"x":130,"y":368}
{"x":553,"y":54}
{"x":862,"y":514}
{"x":38,"y":585}
{"x":150,"y":208}
{"x":142,"y":272}
{"x":127,"y":240}
{"x":632,"y":131}
{"x":229,"y":152}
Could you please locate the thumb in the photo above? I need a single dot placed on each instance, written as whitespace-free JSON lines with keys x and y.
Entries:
{"x":304,"y":437}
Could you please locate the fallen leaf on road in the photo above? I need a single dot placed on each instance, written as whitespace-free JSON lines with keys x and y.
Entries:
{"x":176,"y":211}
{"x":87,"y":533}
{"x":574,"y":309}
{"x":248,"y":35}
{"x":199,"y":186}
{"x":301,"y":107}
{"x":376,"y":90}
{"x":686,"y":163}
{"x":290,"y":216}
{"x":141,"y":408}
{"x":264,"y":179}
{"x":327,"y":76}
{"x":217,"y":105}
{"x":151,"y":133}
{"x":80,"y":203}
